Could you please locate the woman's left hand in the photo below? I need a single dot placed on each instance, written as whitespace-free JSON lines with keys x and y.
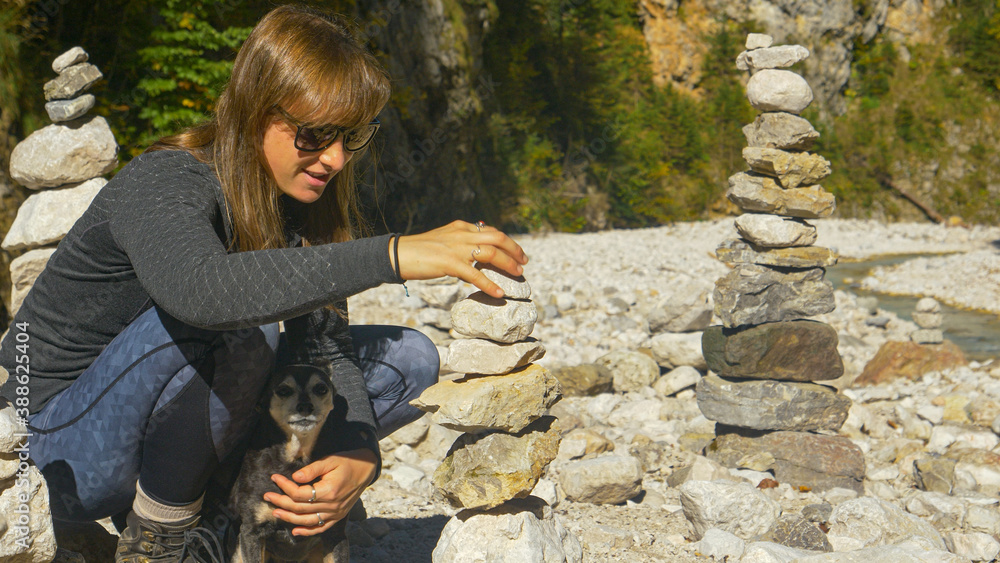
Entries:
{"x":341,"y":480}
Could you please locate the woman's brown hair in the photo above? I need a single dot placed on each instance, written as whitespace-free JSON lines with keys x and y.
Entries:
{"x":307,"y":63}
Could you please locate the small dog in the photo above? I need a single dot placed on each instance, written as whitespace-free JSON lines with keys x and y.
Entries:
{"x":299,"y":400}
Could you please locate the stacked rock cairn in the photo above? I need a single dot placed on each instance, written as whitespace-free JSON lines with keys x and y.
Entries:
{"x":499,"y":402}
{"x":929,"y":318}
{"x":770,"y":414}
{"x":66,"y":160}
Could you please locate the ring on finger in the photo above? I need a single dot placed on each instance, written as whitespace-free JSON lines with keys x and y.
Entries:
{"x":480,"y":225}
{"x":320,"y":520}
{"x":313,"y":499}
{"x":476,"y":252}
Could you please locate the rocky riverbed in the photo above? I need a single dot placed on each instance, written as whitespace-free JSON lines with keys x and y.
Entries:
{"x":930,"y":444}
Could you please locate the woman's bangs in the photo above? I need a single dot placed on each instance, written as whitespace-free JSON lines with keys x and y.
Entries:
{"x":345,"y":93}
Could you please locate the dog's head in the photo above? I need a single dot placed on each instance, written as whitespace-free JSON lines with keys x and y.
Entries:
{"x":301,"y":397}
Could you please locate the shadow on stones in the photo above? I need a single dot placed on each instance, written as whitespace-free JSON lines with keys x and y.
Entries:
{"x":996,"y":243}
{"x":411,"y":540}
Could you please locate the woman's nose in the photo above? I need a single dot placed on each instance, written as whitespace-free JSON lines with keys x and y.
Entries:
{"x":335,"y":156}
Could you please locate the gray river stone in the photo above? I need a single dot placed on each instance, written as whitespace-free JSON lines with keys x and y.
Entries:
{"x":794,"y":531}
{"x":74,"y":56}
{"x":513,"y":287}
{"x":771,"y":405}
{"x":726,"y":505}
{"x":779,"y":90}
{"x":47,"y":216}
{"x":500,"y":320}
{"x":62,"y":154}
{"x":68,"y":110}
{"x":755,"y":192}
{"x":780,"y":130}
{"x":781,"y":56}
{"x":758,"y":41}
{"x":793,"y":169}
{"x":791,"y":350}
{"x":739,"y":251}
{"x":772,"y":231}
{"x":754,"y":294}
{"x":24,"y":271}
{"x":72,"y":82}
{"x":478,"y":355}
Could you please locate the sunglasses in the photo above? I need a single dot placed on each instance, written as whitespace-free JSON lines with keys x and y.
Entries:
{"x":313,"y":139}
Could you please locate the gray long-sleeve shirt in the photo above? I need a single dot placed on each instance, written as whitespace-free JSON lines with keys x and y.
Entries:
{"x":157,"y":234}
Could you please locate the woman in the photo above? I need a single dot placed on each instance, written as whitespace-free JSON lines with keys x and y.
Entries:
{"x":153,"y":329}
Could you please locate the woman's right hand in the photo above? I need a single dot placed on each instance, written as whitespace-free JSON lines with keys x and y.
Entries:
{"x":452,"y":250}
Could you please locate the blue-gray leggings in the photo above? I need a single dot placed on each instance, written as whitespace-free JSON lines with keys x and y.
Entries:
{"x":166,"y":402}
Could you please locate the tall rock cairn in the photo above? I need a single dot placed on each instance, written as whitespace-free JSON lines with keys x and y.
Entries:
{"x":500,"y":404}
{"x":64,"y":161}
{"x":770,"y":413}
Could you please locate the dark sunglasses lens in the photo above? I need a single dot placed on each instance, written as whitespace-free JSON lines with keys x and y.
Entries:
{"x":357,"y":139}
{"x":315,"y":138}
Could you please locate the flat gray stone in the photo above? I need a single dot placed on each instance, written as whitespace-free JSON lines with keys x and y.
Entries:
{"x":46,"y":217}
{"x":792,"y":169}
{"x":771,"y":405}
{"x":491,"y":402}
{"x":477,"y":355}
{"x":928,"y":305}
{"x":62,"y":154}
{"x":739,"y":251}
{"x":751,"y":294}
{"x":779,"y":90}
{"x":780,"y":130}
{"x":74,"y":56}
{"x":513,"y":287}
{"x":928,"y":320}
{"x":68,"y":110}
{"x":781,"y":56}
{"x":685,"y":309}
{"x":871,"y":522}
{"x":754,"y":192}
{"x":719,"y":545}
{"x":675,"y":349}
{"x":725,"y":505}
{"x":24,"y":270}
{"x":758,"y":41}
{"x":790,"y":350}
{"x":499,"y":320}
{"x":927,"y":336}
{"x":72,"y":82}
{"x":772,"y":231}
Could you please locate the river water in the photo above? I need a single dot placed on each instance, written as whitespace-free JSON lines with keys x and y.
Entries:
{"x":976,"y":333}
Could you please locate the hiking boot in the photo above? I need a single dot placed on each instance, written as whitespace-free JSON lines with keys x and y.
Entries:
{"x":146,"y":541}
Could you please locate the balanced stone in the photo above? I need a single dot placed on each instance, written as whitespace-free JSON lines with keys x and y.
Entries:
{"x":47,"y":216}
{"x":798,"y":458}
{"x":928,"y":320}
{"x":486,"y":470}
{"x":791,"y":350}
{"x":513,"y":287}
{"x":928,"y":305}
{"x":476,"y":355}
{"x":74,"y":56}
{"x":508,"y":402}
{"x":779,"y":90}
{"x":67,"y":110}
{"x":771,"y":57}
{"x":793,"y":169}
{"x":64,"y":154}
{"x":500,"y":320}
{"x":771,"y":405}
{"x":772,"y":231}
{"x":753,"y":294}
{"x":72,"y":82}
{"x":24,"y":271}
{"x":739,"y":251}
{"x":758,"y":41}
{"x":780,"y":130}
{"x":519,"y":530}
{"x":927,"y":336}
{"x":754,"y":192}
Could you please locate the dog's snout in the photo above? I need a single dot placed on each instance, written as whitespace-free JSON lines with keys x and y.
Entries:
{"x":304,"y":408}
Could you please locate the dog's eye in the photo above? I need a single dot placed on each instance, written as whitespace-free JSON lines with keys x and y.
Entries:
{"x":321,"y":390}
{"x":284,"y":391}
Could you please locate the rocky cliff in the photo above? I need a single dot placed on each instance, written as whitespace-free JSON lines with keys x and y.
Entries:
{"x":676,"y":33}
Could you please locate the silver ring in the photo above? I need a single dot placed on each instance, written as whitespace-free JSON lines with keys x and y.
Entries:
{"x":476,"y":252}
{"x":313,"y":499}
{"x":480,"y":225}
{"x":320,"y":518}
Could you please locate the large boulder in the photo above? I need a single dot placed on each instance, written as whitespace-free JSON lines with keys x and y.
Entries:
{"x":64,"y":153}
{"x":792,"y":350}
{"x":45,"y":218}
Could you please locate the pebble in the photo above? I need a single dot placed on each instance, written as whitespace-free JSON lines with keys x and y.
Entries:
{"x":771,"y":231}
{"x":74,"y":56}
